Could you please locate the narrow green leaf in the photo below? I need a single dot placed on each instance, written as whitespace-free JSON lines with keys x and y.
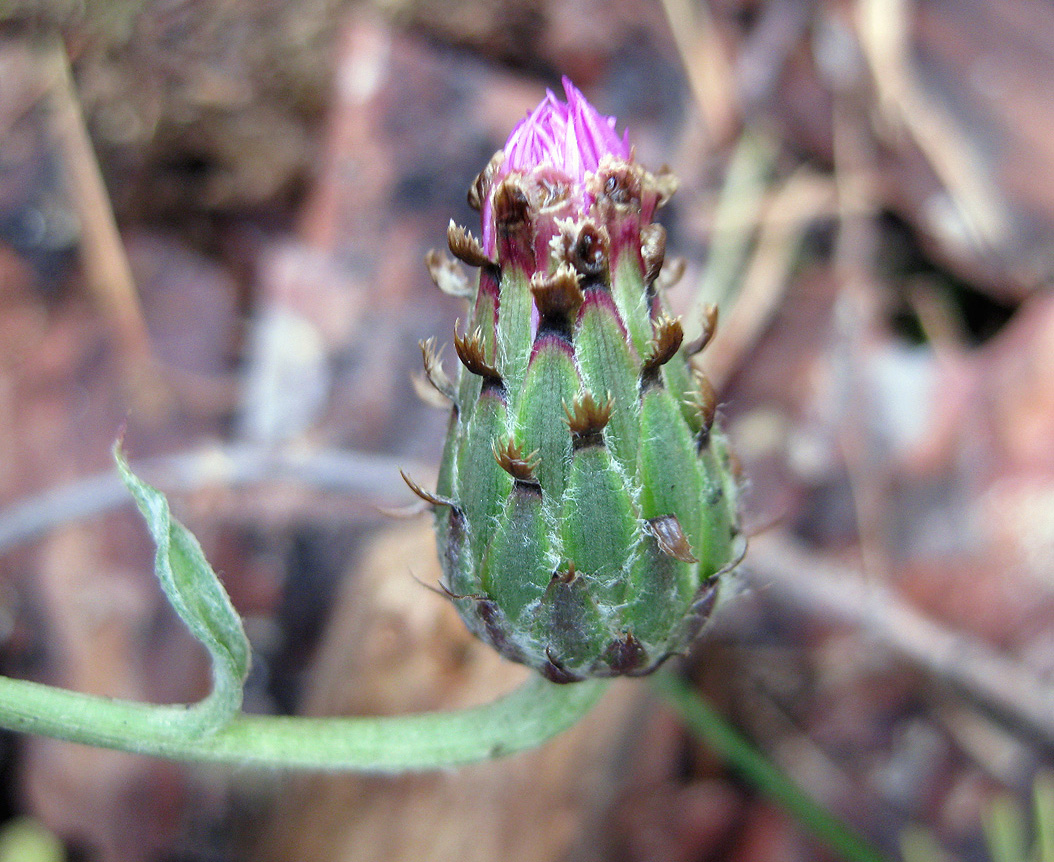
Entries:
{"x":705,"y":721}
{"x":741,"y":201}
{"x":919,"y":845}
{"x":1043,"y":805}
{"x":212,"y":730}
{"x":1005,"y":831}
{"x":195,"y":592}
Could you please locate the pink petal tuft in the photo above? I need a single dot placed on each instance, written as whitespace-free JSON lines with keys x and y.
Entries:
{"x":568,"y":136}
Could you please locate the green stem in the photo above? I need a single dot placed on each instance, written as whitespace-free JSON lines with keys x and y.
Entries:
{"x":738,"y":752}
{"x":527,"y":717}
{"x":214,"y":730}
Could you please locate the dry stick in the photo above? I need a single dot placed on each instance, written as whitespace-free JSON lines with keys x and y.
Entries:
{"x":358,"y":474}
{"x":883,"y":28}
{"x":765,"y":51}
{"x":784,"y":572}
{"x":855,"y":328}
{"x":709,"y":69}
{"x":106,"y":264}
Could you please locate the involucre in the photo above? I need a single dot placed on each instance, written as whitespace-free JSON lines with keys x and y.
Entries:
{"x":586,"y":507}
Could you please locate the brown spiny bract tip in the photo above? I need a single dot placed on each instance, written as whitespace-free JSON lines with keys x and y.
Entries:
{"x":448,"y":275}
{"x":662,"y":185}
{"x":511,"y":459}
{"x":424,"y":390}
{"x":554,"y":670}
{"x":672,"y":272}
{"x":705,"y":402}
{"x":587,"y":419}
{"x":626,"y":654}
{"x":670,"y":538}
{"x":434,"y":369}
{"x":583,"y":245}
{"x":464,"y":246}
{"x":664,"y":344}
{"x":564,"y":576}
{"x":472,"y":352}
{"x":616,"y":181}
{"x":550,"y":193}
{"x":562,"y":241}
{"x":652,"y":250}
{"x":709,"y":328}
{"x":590,"y":256}
{"x":558,"y":294}
{"x":427,"y":496}
{"x":480,"y":188}
{"x":511,"y":204}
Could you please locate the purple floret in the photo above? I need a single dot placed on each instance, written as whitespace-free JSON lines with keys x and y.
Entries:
{"x":569,"y":138}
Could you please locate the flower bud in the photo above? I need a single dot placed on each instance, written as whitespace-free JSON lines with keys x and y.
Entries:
{"x":586,"y":508}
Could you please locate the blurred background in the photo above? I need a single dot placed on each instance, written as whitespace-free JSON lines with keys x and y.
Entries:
{"x":213,"y":218}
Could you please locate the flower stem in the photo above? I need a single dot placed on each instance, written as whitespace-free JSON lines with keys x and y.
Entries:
{"x":215,"y":730}
{"x":527,"y":717}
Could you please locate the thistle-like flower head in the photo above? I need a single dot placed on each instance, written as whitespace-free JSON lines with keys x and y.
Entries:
{"x":585,"y":507}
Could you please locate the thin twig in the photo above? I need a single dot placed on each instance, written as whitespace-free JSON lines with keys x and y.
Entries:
{"x":786,"y":573}
{"x":108,"y":272}
{"x":855,"y":330}
{"x":370,"y":477}
{"x":884,"y":36}
{"x":707,"y":65}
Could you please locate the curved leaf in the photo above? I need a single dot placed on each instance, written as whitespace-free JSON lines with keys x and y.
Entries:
{"x":197,"y":595}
